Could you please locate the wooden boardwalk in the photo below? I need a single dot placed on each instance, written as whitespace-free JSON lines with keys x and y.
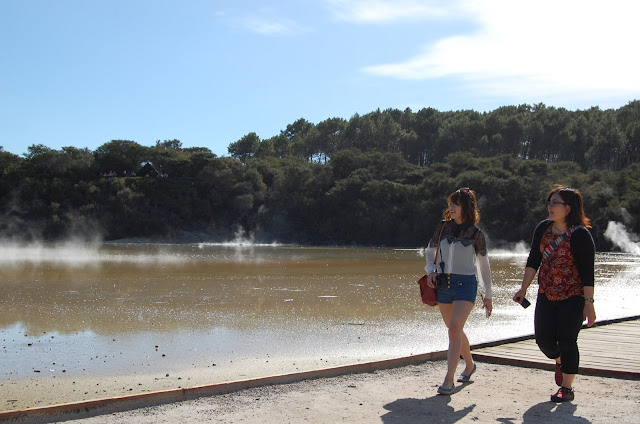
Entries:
{"x":610,"y":349}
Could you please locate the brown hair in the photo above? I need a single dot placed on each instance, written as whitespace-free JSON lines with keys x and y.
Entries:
{"x":573,"y":198}
{"x":466,"y":198}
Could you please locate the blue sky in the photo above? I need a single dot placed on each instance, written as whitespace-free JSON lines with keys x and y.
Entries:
{"x":81,"y":73}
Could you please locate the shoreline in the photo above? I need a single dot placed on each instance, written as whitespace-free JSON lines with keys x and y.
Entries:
{"x":45,"y":396}
{"x":404,"y":394}
{"x":46,"y":393}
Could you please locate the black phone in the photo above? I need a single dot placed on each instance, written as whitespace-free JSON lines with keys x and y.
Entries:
{"x":525,"y":303}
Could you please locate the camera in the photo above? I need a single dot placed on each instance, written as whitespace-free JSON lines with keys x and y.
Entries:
{"x":442,"y":281}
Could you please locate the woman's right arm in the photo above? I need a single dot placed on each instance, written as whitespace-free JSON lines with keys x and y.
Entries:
{"x":535,"y":255}
{"x":430,"y":253}
{"x":529,"y":273}
{"x":533,"y":261}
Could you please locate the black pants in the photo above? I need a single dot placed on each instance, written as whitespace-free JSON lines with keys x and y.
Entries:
{"x":557,"y":324}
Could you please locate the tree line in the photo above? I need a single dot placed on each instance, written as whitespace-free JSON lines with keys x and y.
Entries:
{"x":594,"y":138}
{"x":356,"y":190}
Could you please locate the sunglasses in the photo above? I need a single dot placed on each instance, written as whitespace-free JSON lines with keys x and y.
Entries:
{"x":464,"y":190}
{"x":552,"y":203}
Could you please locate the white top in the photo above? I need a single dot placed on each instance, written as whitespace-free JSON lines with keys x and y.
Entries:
{"x":462,"y":258}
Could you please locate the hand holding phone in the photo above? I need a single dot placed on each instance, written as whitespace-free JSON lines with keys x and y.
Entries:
{"x":525,"y":303}
{"x":486,"y":310}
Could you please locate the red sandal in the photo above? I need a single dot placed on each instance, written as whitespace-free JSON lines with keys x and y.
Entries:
{"x":563,"y":395}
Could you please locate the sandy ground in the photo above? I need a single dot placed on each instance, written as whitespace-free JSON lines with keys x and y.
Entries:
{"x":497,"y":393}
{"x":43,"y":389}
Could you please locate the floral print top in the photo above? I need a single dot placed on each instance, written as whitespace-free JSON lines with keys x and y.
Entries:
{"x":569,"y":268}
{"x":558,"y":276}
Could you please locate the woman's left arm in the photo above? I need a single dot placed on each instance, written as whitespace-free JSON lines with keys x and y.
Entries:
{"x":584,"y":252}
{"x":484,"y":269}
{"x":482,"y":263}
{"x":589,"y":311}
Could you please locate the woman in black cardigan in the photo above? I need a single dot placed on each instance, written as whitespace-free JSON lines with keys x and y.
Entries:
{"x":563,"y":254}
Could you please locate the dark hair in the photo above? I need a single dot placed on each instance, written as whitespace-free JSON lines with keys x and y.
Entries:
{"x":466,"y":198}
{"x":572,"y":198}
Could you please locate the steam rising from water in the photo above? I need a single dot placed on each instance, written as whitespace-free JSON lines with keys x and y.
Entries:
{"x":73,"y":254}
{"x":504,"y":251}
{"x":518,"y":249}
{"x":35,"y":253}
{"x":241,"y":240}
{"x":243,"y":245}
{"x":76,"y":253}
{"x":86,"y":254}
{"x":620,"y":237}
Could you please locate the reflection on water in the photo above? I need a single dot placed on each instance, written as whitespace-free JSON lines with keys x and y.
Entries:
{"x":112,"y":308}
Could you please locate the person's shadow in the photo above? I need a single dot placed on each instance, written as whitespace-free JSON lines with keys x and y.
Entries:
{"x":436,"y":410}
{"x":431,"y":410}
{"x":553,"y":413}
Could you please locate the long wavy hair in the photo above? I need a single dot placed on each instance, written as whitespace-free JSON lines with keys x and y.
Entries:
{"x":573,"y":198}
{"x":466,"y":198}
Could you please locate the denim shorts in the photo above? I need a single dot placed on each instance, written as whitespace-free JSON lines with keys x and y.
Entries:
{"x":460,"y":287}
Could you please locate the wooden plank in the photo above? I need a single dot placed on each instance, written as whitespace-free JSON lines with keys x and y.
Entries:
{"x":607,"y":349}
{"x":612,"y":344}
{"x":613,"y":337}
{"x":606,"y":361}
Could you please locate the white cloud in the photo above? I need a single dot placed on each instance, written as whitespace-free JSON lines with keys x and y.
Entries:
{"x":266,"y":26}
{"x":375,"y":11}
{"x":543,"y":47}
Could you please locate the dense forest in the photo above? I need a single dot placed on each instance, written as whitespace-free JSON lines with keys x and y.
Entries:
{"x":379,"y":179}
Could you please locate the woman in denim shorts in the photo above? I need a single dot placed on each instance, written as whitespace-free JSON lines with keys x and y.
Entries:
{"x":461,"y":256}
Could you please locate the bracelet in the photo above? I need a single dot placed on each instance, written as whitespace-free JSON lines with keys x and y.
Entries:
{"x":589,"y":299}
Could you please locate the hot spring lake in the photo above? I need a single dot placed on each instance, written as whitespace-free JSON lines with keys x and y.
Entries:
{"x":245,"y":310}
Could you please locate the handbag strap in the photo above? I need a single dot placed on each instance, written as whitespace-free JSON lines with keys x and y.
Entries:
{"x":435,"y":258}
{"x":550,"y":248}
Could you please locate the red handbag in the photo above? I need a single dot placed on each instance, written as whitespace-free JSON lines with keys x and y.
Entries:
{"x":428,"y":293}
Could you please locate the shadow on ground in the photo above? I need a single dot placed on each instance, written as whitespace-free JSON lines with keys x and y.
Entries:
{"x":435,"y":410}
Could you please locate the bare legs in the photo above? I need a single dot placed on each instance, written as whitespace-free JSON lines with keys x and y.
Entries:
{"x":455,"y":316}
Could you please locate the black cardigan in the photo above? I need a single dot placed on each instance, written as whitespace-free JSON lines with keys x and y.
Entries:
{"x":583,"y":250}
